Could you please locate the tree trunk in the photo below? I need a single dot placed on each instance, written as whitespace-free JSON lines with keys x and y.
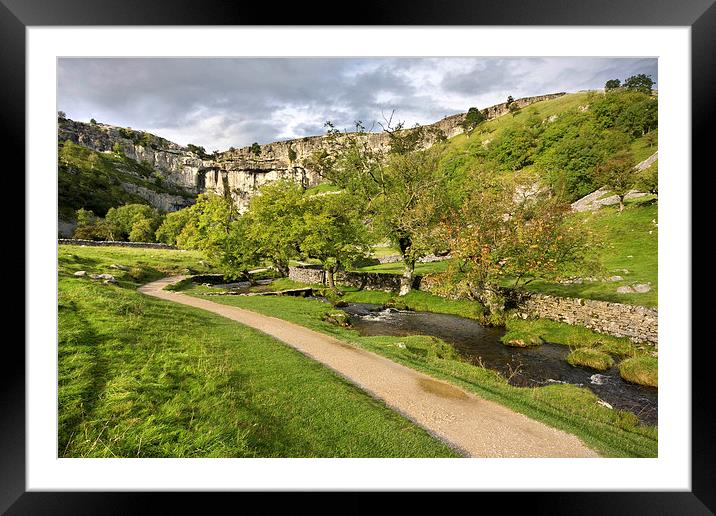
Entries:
{"x":331,"y":279}
{"x":406,"y":280}
{"x":494,"y":304}
{"x":282,"y":268}
{"x":621,"y":204}
{"x":250,"y":278}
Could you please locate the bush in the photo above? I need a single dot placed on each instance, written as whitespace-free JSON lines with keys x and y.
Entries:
{"x":590,"y":358}
{"x":643,"y":370}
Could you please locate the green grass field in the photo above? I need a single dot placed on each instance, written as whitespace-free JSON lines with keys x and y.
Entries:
{"x":570,"y":408}
{"x":140,"y":377}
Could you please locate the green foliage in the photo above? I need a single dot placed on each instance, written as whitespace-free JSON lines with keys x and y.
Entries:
{"x":642,"y":83}
{"x":647,"y":180}
{"x":473,"y":118}
{"x":496,"y":234}
{"x":136,"y":222}
{"x":612,"y":84}
{"x":274,"y":222}
{"x":196,"y":149}
{"x":618,"y":175}
{"x":630,"y":111}
{"x":117,"y":149}
{"x":255,"y":149}
{"x":630,"y":250}
{"x":125,"y":132}
{"x":93,"y":121}
{"x":334,"y":231}
{"x":142,"y":231}
{"x":514,"y":148}
{"x":291,"y":154}
{"x":172,"y":226}
{"x":93,"y":180}
{"x":90,"y":227}
{"x":572,"y":148}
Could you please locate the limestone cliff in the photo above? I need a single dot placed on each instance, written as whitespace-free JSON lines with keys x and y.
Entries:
{"x":237,"y":172}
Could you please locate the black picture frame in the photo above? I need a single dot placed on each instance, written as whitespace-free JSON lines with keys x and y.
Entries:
{"x":16,"y":15}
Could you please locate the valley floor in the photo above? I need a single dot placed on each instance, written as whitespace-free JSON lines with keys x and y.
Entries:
{"x":478,"y":427}
{"x":143,"y":377}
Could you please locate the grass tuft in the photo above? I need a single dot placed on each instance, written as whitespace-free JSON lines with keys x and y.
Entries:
{"x":643,"y":370}
{"x":590,"y":358}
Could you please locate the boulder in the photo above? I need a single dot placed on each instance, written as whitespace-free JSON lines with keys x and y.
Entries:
{"x":79,"y":274}
{"x":102,"y":276}
{"x":120,"y":267}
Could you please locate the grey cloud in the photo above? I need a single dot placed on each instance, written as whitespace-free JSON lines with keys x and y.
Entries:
{"x":222,"y":102}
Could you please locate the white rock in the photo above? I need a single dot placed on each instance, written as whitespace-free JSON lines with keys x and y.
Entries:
{"x":642,"y":287}
{"x":626,"y":289}
{"x":80,"y":273}
{"x":598,"y":379}
{"x":120,"y":267}
{"x":604,"y":404}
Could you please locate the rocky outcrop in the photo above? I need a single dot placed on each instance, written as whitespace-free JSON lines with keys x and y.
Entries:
{"x":160,"y":200}
{"x":238,"y":173}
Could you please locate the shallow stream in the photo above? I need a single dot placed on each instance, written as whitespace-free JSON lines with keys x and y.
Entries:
{"x":525,"y":367}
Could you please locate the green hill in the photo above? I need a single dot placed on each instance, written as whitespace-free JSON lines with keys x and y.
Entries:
{"x":558,"y":143}
{"x":98,"y":181}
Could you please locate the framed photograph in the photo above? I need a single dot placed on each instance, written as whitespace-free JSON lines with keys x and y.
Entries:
{"x":430,"y":238}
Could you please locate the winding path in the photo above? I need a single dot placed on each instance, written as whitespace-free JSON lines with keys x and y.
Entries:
{"x":476,"y":427}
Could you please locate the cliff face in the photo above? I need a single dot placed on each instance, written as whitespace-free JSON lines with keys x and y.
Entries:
{"x":239,"y":172}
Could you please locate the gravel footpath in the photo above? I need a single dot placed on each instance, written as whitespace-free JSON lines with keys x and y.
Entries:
{"x":474,"y":426}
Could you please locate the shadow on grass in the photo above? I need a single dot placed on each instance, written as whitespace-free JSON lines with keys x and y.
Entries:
{"x":84,"y":343}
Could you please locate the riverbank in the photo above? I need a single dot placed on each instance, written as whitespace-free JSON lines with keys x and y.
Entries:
{"x":570,"y":408}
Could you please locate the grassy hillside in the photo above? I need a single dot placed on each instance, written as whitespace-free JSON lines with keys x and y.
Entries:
{"x":558,"y":142}
{"x":630,"y":251}
{"x":92,"y":180}
{"x":140,"y":377}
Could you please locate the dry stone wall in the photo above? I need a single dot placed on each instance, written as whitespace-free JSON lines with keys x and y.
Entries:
{"x":111,"y":243}
{"x":638,"y":323}
{"x":363,"y":280}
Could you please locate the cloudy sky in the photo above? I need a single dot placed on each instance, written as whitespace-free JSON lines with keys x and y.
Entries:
{"x":220,"y":103}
